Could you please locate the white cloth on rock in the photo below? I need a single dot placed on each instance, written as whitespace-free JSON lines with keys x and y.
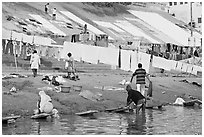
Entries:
{"x":179,"y":101}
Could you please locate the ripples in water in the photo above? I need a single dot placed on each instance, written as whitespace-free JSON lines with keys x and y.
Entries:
{"x":174,"y":120}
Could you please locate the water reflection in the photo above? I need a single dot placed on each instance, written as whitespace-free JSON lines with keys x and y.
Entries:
{"x":175,"y":120}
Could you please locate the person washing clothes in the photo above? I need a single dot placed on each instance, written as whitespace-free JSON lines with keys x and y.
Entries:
{"x":136,"y":97}
{"x":140,"y":74}
{"x":35,"y":62}
{"x":44,"y":103}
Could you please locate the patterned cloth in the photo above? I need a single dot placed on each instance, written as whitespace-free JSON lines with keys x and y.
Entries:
{"x":140,"y":75}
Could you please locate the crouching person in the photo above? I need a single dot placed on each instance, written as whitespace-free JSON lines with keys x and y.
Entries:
{"x":44,"y":103}
{"x":135,"y":97}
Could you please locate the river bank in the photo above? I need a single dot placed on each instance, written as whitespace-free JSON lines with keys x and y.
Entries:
{"x":165,"y":89}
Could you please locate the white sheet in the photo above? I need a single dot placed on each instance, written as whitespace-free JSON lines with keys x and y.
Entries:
{"x":135,"y":31}
{"x":165,"y":26}
{"x":145,"y":60}
{"x":48,"y":25}
{"x":74,"y":48}
{"x":172,"y":63}
{"x":189,"y":70}
{"x":134,"y":61}
{"x":184,"y":67}
{"x":61,"y":18}
{"x":91,"y":54}
{"x":179,"y":66}
{"x":153,"y":30}
{"x":108,"y":56}
{"x":163,"y":63}
{"x":198,"y":68}
{"x":194,"y":71}
{"x":125,"y":60}
{"x":80,"y":21}
{"x":109,"y":25}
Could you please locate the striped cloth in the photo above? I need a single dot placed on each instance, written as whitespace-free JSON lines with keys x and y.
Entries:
{"x":140,"y":75}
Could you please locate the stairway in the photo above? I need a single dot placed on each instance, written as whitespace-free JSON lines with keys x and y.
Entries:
{"x":8,"y":64}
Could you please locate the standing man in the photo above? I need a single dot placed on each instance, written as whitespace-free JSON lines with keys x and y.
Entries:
{"x":46,"y":7}
{"x":54,"y":13}
{"x":35,"y":62}
{"x":140,"y":74}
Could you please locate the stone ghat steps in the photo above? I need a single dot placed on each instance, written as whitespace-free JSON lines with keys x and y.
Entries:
{"x":52,"y":64}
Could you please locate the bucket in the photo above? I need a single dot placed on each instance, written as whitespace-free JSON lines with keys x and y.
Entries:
{"x":65,"y":89}
{"x":77,"y":88}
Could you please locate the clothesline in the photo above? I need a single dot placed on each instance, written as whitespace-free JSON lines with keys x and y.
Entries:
{"x":129,"y":59}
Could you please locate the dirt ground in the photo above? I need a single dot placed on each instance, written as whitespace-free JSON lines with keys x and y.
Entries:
{"x":165,"y":89}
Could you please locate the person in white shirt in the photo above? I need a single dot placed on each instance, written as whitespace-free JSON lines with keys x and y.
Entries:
{"x":44,"y":103}
{"x":35,"y":62}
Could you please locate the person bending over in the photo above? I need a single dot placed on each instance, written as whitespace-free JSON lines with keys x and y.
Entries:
{"x":69,"y":65}
{"x":136,"y":97}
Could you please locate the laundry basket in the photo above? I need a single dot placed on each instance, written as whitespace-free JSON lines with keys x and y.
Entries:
{"x":65,"y":89}
{"x":77,"y":88}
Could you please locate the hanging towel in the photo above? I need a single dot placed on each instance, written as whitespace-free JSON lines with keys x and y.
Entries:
{"x":194,"y":71}
{"x":190,"y":68}
{"x":179,"y":66}
{"x":134,"y":61}
{"x":125,"y":60}
{"x":184,"y":67}
{"x":145,"y":60}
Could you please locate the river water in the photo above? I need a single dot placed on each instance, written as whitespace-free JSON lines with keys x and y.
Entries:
{"x":172,"y":120}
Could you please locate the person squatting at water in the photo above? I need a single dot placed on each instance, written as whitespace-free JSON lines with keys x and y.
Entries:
{"x":136,"y":97}
{"x":69,"y":66}
{"x":35,"y":62}
{"x":44,"y":105}
{"x":140,"y":74}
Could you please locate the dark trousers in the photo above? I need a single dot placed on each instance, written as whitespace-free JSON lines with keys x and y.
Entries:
{"x":34,"y":72}
{"x":23,"y":51}
{"x":3,"y":45}
{"x":9,"y":47}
